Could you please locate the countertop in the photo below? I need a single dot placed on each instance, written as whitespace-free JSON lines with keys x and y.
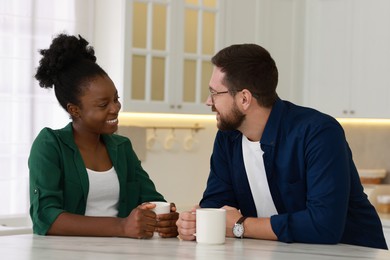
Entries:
{"x":56,"y":247}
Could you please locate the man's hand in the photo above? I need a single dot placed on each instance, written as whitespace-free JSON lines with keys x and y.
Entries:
{"x":186,"y":224}
{"x":232,"y":216}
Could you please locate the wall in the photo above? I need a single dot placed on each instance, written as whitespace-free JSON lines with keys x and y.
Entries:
{"x":108,"y":38}
{"x":181,"y":175}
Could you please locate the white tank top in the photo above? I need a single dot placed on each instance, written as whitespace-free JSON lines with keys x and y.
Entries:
{"x":103,"y":195}
{"x":254,"y":166}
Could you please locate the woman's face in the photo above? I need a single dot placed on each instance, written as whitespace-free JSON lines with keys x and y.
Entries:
{"x":99,"y":109}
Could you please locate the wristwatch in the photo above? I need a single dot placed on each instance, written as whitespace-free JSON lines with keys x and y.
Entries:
{"x":238,"y":229}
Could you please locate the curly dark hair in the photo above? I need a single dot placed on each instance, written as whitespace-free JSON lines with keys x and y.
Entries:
{"x":249,"y":66}
{"x":68,"y":65}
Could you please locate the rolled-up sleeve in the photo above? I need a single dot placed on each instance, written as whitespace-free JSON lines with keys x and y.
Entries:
{"x":46,"y":194}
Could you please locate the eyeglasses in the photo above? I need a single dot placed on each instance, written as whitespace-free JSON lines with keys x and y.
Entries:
{"x":213,"y":93}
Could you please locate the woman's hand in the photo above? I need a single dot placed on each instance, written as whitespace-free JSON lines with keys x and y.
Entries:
{"x":141,"y":223}
{"x":166,"y":223}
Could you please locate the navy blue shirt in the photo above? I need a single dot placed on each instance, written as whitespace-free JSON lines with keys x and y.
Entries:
{"x":311,"y":175}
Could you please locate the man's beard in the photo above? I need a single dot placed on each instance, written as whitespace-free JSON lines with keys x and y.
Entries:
{"x":232,"y":121}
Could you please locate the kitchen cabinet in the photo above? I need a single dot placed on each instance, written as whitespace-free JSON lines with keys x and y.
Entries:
{"x":181,"y":85}
{"x":347,"y":57}
{"x":168,"y":47}
{"x":278,"y":26}
{"x":195,"y":30}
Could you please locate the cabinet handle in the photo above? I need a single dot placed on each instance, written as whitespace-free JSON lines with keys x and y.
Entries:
{"x":352,"y":112}
{"x":345,"y":112}
{"x":175,"y":106}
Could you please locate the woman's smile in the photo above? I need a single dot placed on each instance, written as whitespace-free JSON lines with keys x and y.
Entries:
{"x":112,"y":121}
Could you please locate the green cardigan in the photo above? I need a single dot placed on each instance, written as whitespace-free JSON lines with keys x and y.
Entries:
{"x":59,"y":180}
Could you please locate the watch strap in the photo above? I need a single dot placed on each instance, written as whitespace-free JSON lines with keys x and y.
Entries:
{"x":241,"y":220}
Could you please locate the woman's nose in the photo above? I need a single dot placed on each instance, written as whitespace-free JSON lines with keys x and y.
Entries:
{"x":116,"y":107}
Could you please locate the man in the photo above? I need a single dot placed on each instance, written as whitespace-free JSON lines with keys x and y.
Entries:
{"x":282,"y":172}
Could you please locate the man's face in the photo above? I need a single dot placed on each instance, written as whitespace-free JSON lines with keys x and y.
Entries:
{"x":228,"y":114}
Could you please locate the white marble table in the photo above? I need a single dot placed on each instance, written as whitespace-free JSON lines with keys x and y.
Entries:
{"x":55,"y":247}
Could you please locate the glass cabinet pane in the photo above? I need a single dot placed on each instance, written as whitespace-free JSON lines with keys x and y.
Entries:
{"x":207,"y":69}
{"x":159,"y":27}
{"x":168,"y":56}
{"x":192,"y":2}
{"x":208,"y":33}
{"x":210,"y":3}
{"x":138,"y":77}
{"x":140,"y":20}
{"x":190,"y":31}
{"x":158,"y":79}
{"x":189,"y":82}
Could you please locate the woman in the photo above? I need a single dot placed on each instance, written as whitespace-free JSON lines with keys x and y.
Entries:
{"x":84,"y":179}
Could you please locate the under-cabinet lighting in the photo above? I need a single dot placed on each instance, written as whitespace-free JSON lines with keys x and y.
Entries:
{"x":141,"y":118}
{"x":162,"y":120}
{"x":131,"y":115}
{"x":369,"y":121}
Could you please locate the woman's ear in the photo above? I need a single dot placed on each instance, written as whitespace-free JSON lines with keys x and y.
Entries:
{"x":73,"y":110}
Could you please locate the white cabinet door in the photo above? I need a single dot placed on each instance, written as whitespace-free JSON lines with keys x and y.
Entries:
{"x":347,"y":57}
{"x":370,"y":60}
{"x":276,"y":25}
{"x":168,"y":48}
{"x":326,"y":56}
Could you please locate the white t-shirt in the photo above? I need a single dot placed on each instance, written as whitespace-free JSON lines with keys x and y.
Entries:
{"x":103,"y":195}
{"x":254,"y":165}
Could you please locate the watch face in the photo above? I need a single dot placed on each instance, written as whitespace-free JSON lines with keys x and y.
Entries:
{"x":238,"y":230}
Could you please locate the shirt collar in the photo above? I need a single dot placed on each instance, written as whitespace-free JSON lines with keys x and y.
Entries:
{"x":270,"y":133}
{"x":66,"y":135}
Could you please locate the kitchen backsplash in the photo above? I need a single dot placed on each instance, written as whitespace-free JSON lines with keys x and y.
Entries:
{"x":370,"y":145}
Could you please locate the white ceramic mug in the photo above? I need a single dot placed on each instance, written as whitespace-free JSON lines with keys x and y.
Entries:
{"x":162,"y":207}
{"x":210,"y":226}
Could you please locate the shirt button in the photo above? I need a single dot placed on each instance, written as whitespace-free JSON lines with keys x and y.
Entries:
{"x":35,"y":191}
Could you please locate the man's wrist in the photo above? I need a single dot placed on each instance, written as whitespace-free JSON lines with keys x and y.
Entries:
{"x":239,"y":229}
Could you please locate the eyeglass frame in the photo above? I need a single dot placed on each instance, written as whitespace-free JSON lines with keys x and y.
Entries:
{"x":213,"y":93}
